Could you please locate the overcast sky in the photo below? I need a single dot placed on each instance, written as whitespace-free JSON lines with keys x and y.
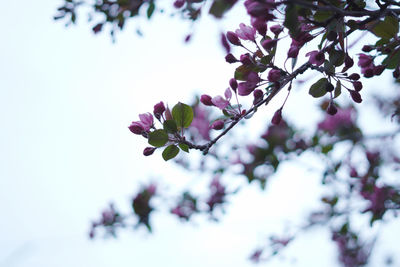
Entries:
{"x":66,"y":99}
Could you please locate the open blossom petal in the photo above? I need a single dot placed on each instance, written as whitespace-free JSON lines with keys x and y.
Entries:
{"x":146,"y":120}
{"x":316,"y":57}
{"x":246,"y":32}
{"x":228,"y":94}
{"x":220,"y":102}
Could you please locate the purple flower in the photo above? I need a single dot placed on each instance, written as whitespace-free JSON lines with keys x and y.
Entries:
{"x":233,"y":84}
{"x":225,"y":43}
{"x":148,"y":151}
{"x":260,"y":9}
{"x":136,"y":127}
{"x":179,"y":3}
{"x":220,"y":102}
{"x":246,"y":59}
{"x":316,"y":57}
{"x":159,"y":109}
{"x":228,"y":94}
{"x":276,"y":29}
{"x":206,"y":100}
{"x":342,"y":119}
{"x":246,"y":32}
{"x":274,"y":75}
{"x":230,"y":58}
{"x":217,"y":125}
{"x":147,"y":120}
{"x":201,"y":123}
{"x":259,"y":25}
{"x":268,"y":44}
{"x":233,"y":38}
{"x":276,"y":119}
{"x":365,"y":61}
{"x":247,"y":87}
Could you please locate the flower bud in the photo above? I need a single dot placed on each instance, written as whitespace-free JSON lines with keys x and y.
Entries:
{"x":268,"y":44}
{"x":148,"y":151}
{"x":230,"y":58}
{"x":179,"y":3}
{"x":331,"y":110}
{"x":396,"y":73}
{"x":246,"y":59}
{"x":329,"y":87}
{"x":159,"y":109}
{"x":217,"y":125}
{"x":276,"y":29}
{"x":136,"y":128}
{"x":276,"y":119}
{"x":378,"y":69}
{"x":233,"y":84}
{"x":258,"y":96}
{"x":357,"y":86}
{"x":274,"y":75}
{"x":355,"y":96}
{"x":368,"y":72}
{"x":206,"y":100}
{"x":233,"y":38}
{"x":348,"y":62}
{"x":367,"y":48}
{"x":354,"y":77}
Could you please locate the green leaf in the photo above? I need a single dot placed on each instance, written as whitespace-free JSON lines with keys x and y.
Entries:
{"x":392,"y":60}
{"x":322,"y":16}
{"x":291,"y":22}
{"x":170,"y":126}
{"x":329,"y":68}
{"x":336,"y":57}
{"x":325,"y":149}
{"x":387,"y":29}
{"x":184,"y":147}
{"x":338,"y":89}
{"x":150,"y":9}
{"x":170,"y":152}
{"x":182,"y":114}
{"x":241,"y":72}
{"x":158,"y":138}
{"x":219,"y":7}
{"x":318,"y":88}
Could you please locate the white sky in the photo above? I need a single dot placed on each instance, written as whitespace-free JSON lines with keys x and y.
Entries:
{"x":66,"y":99}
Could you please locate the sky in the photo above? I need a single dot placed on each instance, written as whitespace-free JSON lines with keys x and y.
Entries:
{"x":66,"y":99}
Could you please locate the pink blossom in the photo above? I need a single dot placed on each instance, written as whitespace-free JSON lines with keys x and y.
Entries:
{"x":228,"y":94}
{"x":246,"y":32}
{"x":316,"y":57}
{"x":365,"y":61}
{"x":342,"y":119}
{"x":201,"y":123}
{"x":220,"y":102}
{"x":217,"y":125}
{"x":274,"y":75}
{"x":136,"y":127}
{"x":147,"y":120}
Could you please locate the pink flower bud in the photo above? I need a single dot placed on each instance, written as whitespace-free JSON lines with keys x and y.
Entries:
{"x":274,"y":75}
{"x":354,"y":77}
{"x":269,"y":44}
{"x":276,"y":119}
{"x":225,"y":44}
{"x":179,"y":3}
{"x":357,"y":86}
{"x":233,"y":84}
{"x":148,"y":151}
{"x":331,"y":110}
{"x":233,"y":38}
{"x":159,"y":109}
{"x":136,"y":127}
{"x":246,"y":59}
{"x":258,"y":96}
{"x":367,"y":48}
{"x":230,"y":58}
{"x":355,"y":96}
{"x":206,"y":100}
{"x":293,"y":51}
{"x":379,"y":69}
{"x":276,"y":29}
{"x":364,"y":60}
{"x":217,"y":125}
{"x":348,"y":62}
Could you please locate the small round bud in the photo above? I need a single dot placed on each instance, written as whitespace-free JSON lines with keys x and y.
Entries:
{"x":355,"y":96}
{"x":217,"y":125}
{"x":159,"y":109}
{"x":148,"y":151}
{"x":354,"y":76}
{"x":367,"y":48}
{"x":348,"y":62}
{"x":233,"y":38}
{"x":331,"y":110}
{"x":269,"y":44}
{"x":179,"y":3}
{"x":206,"y":100}
{"x":276,"y":119}
{"x":246,"y":59}
{"x":230,"y":58}
{"x":233,"y":84}
{"x":379,"y":69}
{"x":357,"y":86}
